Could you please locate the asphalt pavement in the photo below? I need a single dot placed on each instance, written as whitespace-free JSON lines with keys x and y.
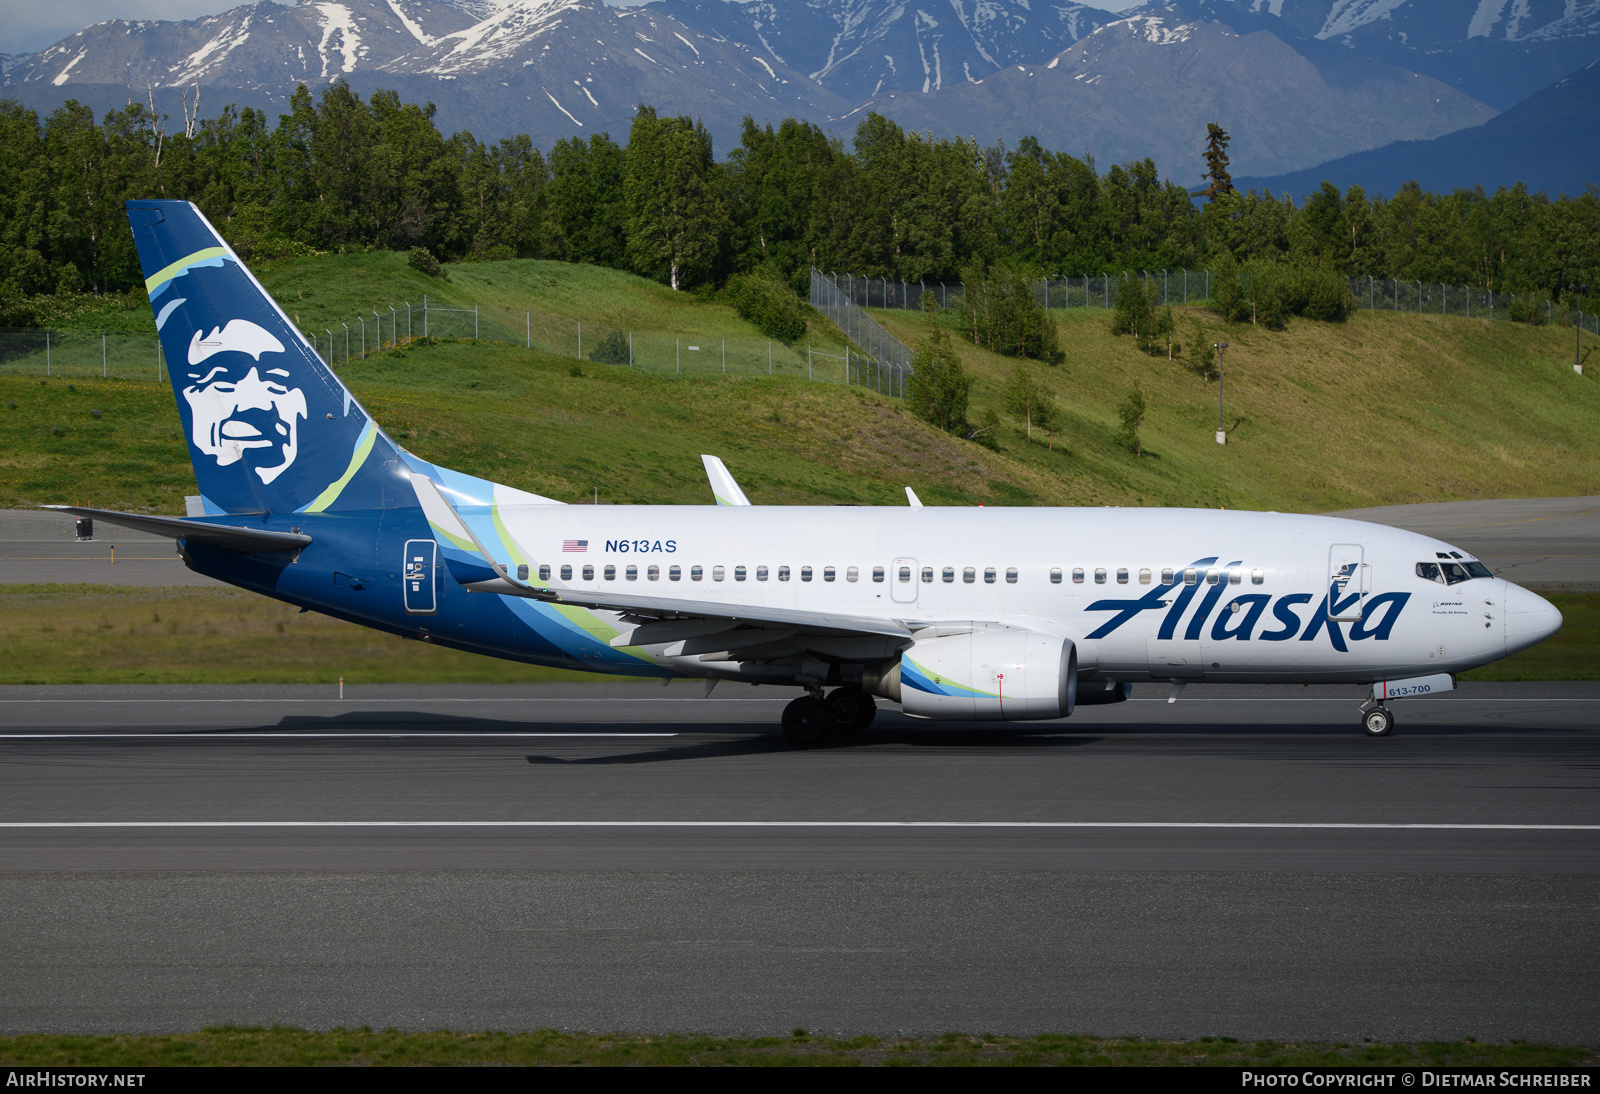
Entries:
{"x":1243,"y":862}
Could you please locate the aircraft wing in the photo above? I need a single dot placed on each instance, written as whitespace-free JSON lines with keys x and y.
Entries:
{"x":214,"y":535}
{"x":477,"y":571}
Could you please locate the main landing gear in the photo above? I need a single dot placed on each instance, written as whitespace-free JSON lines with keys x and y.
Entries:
{"x":1376,"y":719}
{"x":810,"y":721}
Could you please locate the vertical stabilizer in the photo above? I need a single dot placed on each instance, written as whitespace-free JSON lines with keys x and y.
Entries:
{"x":270,"y":427}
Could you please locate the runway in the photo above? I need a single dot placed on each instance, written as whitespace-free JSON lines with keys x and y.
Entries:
{"x":1238,"y":863}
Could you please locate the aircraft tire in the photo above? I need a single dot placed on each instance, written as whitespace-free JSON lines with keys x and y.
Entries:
{"x":850,"y":710}
{"x":1377,"y":722}
{"x":806,"y":722}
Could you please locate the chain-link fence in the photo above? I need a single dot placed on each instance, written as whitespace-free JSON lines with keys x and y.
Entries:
{"x":80,"y":353}
{"x":1194,"y":287}
{"x":399,"y":325}
{"x":886,"y":363}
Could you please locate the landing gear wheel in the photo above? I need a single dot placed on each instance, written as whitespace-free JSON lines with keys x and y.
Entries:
{"x":1377,"y":722}
{"x":806,"y":722}
{"x":850,"y":710}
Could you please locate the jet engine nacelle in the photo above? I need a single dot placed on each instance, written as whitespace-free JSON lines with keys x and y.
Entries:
{"x":999,"y":674}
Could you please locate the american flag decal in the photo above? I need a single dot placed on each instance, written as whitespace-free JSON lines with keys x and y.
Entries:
{"x":574,"y":546}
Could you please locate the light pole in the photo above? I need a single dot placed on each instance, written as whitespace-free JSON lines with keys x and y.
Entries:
{"x":1221,"y":348}
{"x":1577,"y":335}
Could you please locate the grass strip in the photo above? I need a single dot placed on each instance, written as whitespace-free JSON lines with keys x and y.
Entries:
{"x":237,"y":1046}
{"x":108,"y":634}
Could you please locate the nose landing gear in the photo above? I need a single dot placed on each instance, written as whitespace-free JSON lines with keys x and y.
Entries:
{"x":1376,"y":719}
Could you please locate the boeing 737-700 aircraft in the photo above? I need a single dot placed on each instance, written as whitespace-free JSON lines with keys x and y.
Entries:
{"x":989,"y":614}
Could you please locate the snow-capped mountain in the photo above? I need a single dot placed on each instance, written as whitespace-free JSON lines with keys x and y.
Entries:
{"x":1497,"y":51}
{"x":1080,"y":79}
{"x":1147,"y":84}
{"x":858,"y":48}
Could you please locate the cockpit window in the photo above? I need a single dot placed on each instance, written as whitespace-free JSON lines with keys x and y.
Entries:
{"x":1477,"y":569}
{"x":1454,"y":574}
{"x":1429,"y":571}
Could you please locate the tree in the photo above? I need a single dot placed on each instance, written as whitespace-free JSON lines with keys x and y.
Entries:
{"x":675,"y":221}
{"x":1029,"y":400}
{"x":1004,"y":315}
{"x":1218,"y":181}
{"x":1205,"y":355}
{"x":939,"y":387}
{"x":1131,"y":413}
{"x":1227,"y":293}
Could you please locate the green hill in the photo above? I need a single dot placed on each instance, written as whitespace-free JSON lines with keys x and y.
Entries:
{"x":1384,"y":408}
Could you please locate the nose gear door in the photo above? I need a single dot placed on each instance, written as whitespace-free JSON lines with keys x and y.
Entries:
{"x":419,"y":576}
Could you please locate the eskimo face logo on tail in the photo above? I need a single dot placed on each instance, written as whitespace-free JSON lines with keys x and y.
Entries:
{"x":239,"y":410}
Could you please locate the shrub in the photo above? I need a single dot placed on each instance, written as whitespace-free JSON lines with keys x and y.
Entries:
{"x":422,"y":259}
{"x":1131,"y":413}
{"x":939,"y":388}
{"x":1227,"y":293}
{"x":1530,"y":308}
{"x":612,"y":349}
{"x":762,"y":298}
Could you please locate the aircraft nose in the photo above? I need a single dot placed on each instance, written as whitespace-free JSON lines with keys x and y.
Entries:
{"x":1530,"y":618}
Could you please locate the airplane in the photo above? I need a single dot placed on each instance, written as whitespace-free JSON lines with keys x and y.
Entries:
{"x":997,"y":615}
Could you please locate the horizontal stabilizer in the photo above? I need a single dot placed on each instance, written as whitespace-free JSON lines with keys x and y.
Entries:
{"x":213,"y":535}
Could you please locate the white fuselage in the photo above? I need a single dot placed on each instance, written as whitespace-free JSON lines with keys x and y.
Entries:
{"x":1254,"y":606}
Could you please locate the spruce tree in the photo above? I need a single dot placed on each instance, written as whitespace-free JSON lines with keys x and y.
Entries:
{"x":939,"y":387}
{"x":1218,"y":181}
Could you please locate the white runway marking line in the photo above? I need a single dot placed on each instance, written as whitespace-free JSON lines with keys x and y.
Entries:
{"x":1278,"y":825}
{"x":224,"y":735}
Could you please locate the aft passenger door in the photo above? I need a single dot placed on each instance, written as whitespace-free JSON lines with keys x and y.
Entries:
{"x":419,"y":576}
{"x":903,"y":581}
{"x":1348,"y":582}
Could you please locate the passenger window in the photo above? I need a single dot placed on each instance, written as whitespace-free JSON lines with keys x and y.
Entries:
{"x":783,"y":573}
{"x":1212,"y":576}
{"x":1122,"y":575}
{"x":827,"y":573}
{"x":675,"y":573}
{"x":852,"y":574}
{"x":611,"y":573}
{"x":927,"y":575}
{"x":1429,"y":571}
{"x":1055,"y":576}
{"x":1167,"y":577}
{"x":1235,"y":577}
{"x":988,"y":575}
{"x":877,"y":574}
{"x":738,"y":573}
{"x":1077,"y":575}
{"x":718,"y":573}
{"x":1258,"y":577}
{"x":522,"y":571}
{"x":588,"y":573}
{"x":696,"y":573}
{"x":761,"y":573}
{"x":805,"y":573}
{"x":969,"y":575}
{"x":566,"y":573}
{"x":905,"y":573}
{"x":632,"y":573}
{"x":1144,"y":577}
{"x":949,"y":574}
{"x":1191,"y":576}
{"x":1100,"y":575}
{"x":1011,"y":575}
{"x":653,"y":573}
